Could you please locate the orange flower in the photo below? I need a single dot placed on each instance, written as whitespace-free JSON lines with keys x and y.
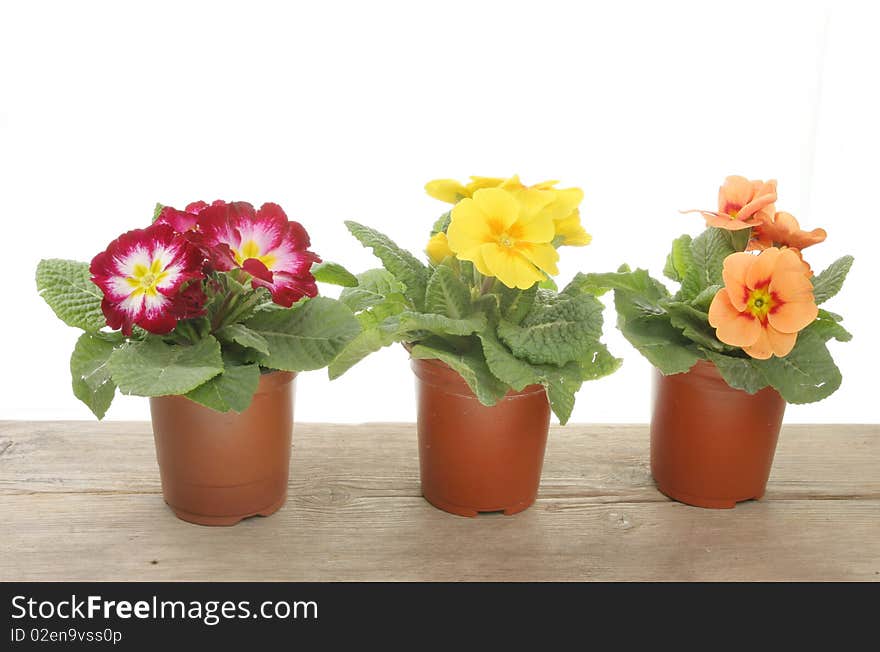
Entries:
{"x":785,"y":231}
{"x":766,"y":299}
{"x":742,"y":204}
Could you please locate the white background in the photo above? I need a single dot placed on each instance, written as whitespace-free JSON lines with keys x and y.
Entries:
{"x":344,"y":110}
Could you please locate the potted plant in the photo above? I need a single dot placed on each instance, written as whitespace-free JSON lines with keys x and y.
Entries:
{"x":742,"y":336}
{"x":210,"y":312}
{"x":493,"y":344}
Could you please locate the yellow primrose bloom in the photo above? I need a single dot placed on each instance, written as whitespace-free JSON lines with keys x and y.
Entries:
{"x":438,"y":248}
{"x":563,"y":208}
{"x":452,"y":191}
{"x":506,"y":236}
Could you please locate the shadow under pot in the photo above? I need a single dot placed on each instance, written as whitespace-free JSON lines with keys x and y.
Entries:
{"x":474,"y":458}
{"x":218,"y":468}
{"x":712,"y":445}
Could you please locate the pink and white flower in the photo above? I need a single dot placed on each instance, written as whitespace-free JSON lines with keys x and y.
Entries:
{"x":143,"y":275}
{"x":265,"y":244}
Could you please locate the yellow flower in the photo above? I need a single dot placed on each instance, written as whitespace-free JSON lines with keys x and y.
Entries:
{"x":506,"y":235}
{"x":563,"y":209}
{"x":438,"y":248}
{"x":452,"y":191}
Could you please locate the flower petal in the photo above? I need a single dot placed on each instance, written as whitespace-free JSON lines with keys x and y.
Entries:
{"x":780,"y":343}
{"x":509,"y":267}
{"x":542,"y":256}
{"x":734,"y":271}
{"x":447,"y":190}
{"x":732,"y":326}
{"x":793,"y":316}
{"x":761,"y":348}
{"x":468,"y":227}
{"x":761,"y":271}
{"x":498,"y":206}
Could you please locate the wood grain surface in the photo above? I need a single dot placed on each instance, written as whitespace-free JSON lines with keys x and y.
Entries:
{"x":82,"y":501}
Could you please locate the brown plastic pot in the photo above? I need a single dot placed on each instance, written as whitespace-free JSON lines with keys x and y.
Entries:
{"x":712,"y":445}
{"x":219,"y":468}
{"x":475,"y":458}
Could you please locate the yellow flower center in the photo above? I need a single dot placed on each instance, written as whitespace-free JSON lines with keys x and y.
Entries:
{"x":251,"y":249}
{"x":760,"y":302}
{"x":505,"y":241}
{"x":144,"y":280}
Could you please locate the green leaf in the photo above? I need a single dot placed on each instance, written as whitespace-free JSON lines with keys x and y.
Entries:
{"x":659,"y":341}
{"x":373,"y":287}
{"x":231,"y":390}
{"x":306,"y":336}
{"x":505,"y":366}
{"x":680,"y":259}
{"x":241,"y":334}
{"x":366,"y":342}
{"x":157,"y":211}
{"x":90,"y":371}
{"x":440,"y":324}
{"x":829,"y":282}
{"x":739,"y":373}
{"x":562,"y":384}
{"x":597,"y":362}
{"x":827,"y":329}
{"x":153,"y":368}
{"x":514,"y":303}
{"x":637,"y":282}
{"x":556,"y":330}
{"x":708,"y":251}
{"x":334,"y":274}
{"x":704,"y":299}
{"x":805,"y":375}
{"x":549,"y":283}
{"x":694,"y":325}
{"x":405,"y":267}
{"x":447,"y":294}
{"x":471,"y":367}
{"x":442,"y":223}
{"x":67,"y":287}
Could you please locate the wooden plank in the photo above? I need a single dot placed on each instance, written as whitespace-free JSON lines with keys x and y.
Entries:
{"x":81,"y":501}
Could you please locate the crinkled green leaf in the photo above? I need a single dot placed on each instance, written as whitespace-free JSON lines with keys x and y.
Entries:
{"x":472,"y":368}
{"x":505,"y":366}
{"x":334,"y":274}
{"x":597,"y":362}
{"x":244,"y":336}
{"x":829,"y":281}
{"x":157,"y":211}
{"x":562,"y":384}
{"x":708,"y":251}
{"x":679,"y":260}
{"x":374,"y":286}
{"x":66,"y":285}
{"x":704,"y":299}
{"x":514,"y":303}
{"x":405,"y":267}
{"x":442,"y":223}
{"x":90,"y":371}
{"x":232,"y":390}
{"x":556,"y":329}
{"x":440,"y":324}
{"x":694,"y":325}
{"x":739,"y":373}
{"x":369,"y":340}
{"x":828,"y":329}
{"x":805,"y":375}
{"x":447,"y":295}
{"x":307,"y":335}
{"x":154,"y":368}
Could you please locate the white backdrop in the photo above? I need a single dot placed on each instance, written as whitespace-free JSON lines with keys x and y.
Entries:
{"x":343,"y":110}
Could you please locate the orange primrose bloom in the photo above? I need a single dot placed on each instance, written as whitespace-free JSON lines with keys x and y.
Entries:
{"x":742,"y":204}
{"x":766,"y":300}
{"x":784,"y":231}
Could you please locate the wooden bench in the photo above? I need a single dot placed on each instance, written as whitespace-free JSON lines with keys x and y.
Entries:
{"x":82,"y":501}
